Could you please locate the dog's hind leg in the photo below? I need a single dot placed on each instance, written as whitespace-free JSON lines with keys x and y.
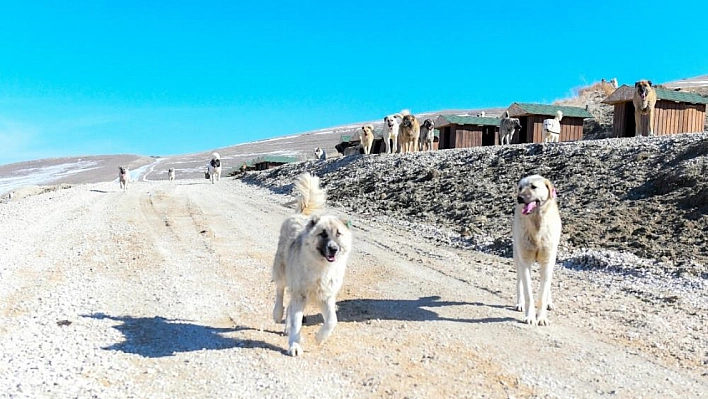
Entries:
{"x":278,"y":309}
{"x":294,"y":327}
{"x":329,"y":314}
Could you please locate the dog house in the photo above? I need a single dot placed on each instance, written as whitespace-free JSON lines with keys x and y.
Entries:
{"x":271,"y":161}
{"x":675,"y":112}
{"x":466,"y":131}
{"x":532,"y":116}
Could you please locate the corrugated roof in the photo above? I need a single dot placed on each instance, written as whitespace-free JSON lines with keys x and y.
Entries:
{"x":523,"y":109}
{"x":274,"y":159}
{"x":466,"y":120}
{"x":625,"y":93}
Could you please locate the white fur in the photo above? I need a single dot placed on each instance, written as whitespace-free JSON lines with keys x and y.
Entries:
{"x":391,"y":126}
{"x":301,"y":266}
{"x":552,"y":128}
{"x":123,"y":178}
{"x":171,"y":174}
{"x":536,"y":235}
{"x":214,"y":172}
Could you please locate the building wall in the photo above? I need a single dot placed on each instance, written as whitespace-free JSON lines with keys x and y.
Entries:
{"x":465,"y":136}
{"x":669,"y":118}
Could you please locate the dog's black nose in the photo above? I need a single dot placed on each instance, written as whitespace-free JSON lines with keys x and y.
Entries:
{"x":520,"y":200}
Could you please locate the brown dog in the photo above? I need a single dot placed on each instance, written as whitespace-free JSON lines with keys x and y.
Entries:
{"x":644,"y":102}
{"x":367,"y":138}
{"x":409,"y":132}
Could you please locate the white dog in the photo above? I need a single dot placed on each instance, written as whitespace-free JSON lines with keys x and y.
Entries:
{"x":123,"y":177}
{"x":552,"y":128}
{"x":536,"y":232}
{"x":320,"y":154}
{"x":310,"y":261}
{"x":171,"y":174}
{"x":391,"y":126}
{"x":214,"y":167}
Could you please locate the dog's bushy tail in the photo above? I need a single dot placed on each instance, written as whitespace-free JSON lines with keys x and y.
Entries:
{"x":312,"y":198}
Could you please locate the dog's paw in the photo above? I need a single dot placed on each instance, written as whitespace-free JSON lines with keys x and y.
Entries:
{"x":322,"y":335}
{"x":295,"y":350}
{"x":278,"y":314}
{"x":519,"y":307}
{"x":551,"y":306}
{"x":543,"y":321}
{"x":530,"y":320}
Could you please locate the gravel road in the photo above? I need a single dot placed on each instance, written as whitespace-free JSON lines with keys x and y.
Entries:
{"x":163,"y":291}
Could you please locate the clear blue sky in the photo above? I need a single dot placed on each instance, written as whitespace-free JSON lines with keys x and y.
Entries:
{"x":165,"y":78}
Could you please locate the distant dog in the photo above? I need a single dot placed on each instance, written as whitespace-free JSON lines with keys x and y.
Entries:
{"x":507,"y":127}
{"x":367,"y":138}
{"x":552,"y":128}
{"x":123,"y":177}
{"x":214,"y":167}
{"x":392,"y":124}
{"x":320,"y":154}
{"x":310,"y":261}
{"x":644,"y":102}
{"x":536,"y":234}
{"x":427,"y":135}
{"x":171,"y":174}
{"x":409,"y":132}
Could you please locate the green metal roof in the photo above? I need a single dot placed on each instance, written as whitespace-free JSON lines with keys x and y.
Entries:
{"x":550,"y":110}
{"x":625,"y":93}
{"x":273,"y":159}
{"x":469,"y":120}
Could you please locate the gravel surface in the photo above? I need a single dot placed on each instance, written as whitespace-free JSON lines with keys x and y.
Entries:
{"x":163,"y":291}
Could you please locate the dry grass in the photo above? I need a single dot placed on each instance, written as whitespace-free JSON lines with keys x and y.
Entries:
{"x":603,"y":87}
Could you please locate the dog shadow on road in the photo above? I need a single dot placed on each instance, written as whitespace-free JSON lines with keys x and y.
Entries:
{"x":155,"y":337}
{"x":407,"y":309}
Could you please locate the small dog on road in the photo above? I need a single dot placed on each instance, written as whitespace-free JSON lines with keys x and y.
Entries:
{"x":123,"y":177}
{"x":310,"y":261}
{"x":536,"y":234}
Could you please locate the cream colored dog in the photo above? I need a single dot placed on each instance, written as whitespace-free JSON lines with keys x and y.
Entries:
{"x":310,"y":261}
{"x":391,"y":126}
{"x":536,"y":232}
{"x":367,"y":138}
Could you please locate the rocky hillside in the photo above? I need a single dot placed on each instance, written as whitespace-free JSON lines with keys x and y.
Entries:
{"x":646,"y":197}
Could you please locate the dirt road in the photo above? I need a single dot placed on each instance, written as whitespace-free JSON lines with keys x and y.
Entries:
{"x":163,"y":291}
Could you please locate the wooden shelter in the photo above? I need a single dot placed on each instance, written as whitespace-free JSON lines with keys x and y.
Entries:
{"x":466,"y":131}
{"x":675,"y":112}
{"x":532,"y":116}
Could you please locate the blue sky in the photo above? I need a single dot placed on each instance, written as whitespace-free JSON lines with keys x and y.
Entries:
{"x":166,"y":78}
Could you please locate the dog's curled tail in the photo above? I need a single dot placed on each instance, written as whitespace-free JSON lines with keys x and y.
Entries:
{"x":312,"y":198}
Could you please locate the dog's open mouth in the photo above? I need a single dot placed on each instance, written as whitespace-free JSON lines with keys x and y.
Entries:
{"x":329,"y":253}
{"x":528,"y":208}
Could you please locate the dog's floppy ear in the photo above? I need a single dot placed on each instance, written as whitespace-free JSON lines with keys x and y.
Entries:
{"x":313,"y":222}
{"x":551,"y":189}
{"x":636,"y":84}
{"x":649,"y":81}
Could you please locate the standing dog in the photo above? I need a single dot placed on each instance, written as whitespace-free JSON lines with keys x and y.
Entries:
{"x":644,"y":102}
{"x":367,"y":138}
{"x":320,"y":154}
{"x":536,"y":232}
{"x":507,"y":127}
{"x":552,"y":128}
{"x":171,"y":174}
{"x":123,"y":177}
{"x":409,"y":133}
{"x":392,"y":124}
{"x":310,"y":261}
{"x":427,"y":135}
{"x":214,"y":167}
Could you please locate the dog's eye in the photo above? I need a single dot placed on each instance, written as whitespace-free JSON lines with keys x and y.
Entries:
{"x":338,"y":233}
{"x":533,"y":187}
{"x":323,"y":234}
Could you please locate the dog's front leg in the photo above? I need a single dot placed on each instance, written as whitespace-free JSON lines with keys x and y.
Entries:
{"x":329,"y":315}
{"x":278,"y":308}
{"x":637,"y":123}
{"x":650,"y":128}
{"x":295,"y":313}
{"x":530,"y":317}
{"x":544,"y":302}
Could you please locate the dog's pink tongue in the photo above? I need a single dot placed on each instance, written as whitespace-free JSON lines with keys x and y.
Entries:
{"x":528,"y":208}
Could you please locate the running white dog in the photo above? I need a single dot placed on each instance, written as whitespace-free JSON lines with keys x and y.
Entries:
{"x":214,"y":167}
{"x":310,"y":261}
{"x":536,"y":233}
